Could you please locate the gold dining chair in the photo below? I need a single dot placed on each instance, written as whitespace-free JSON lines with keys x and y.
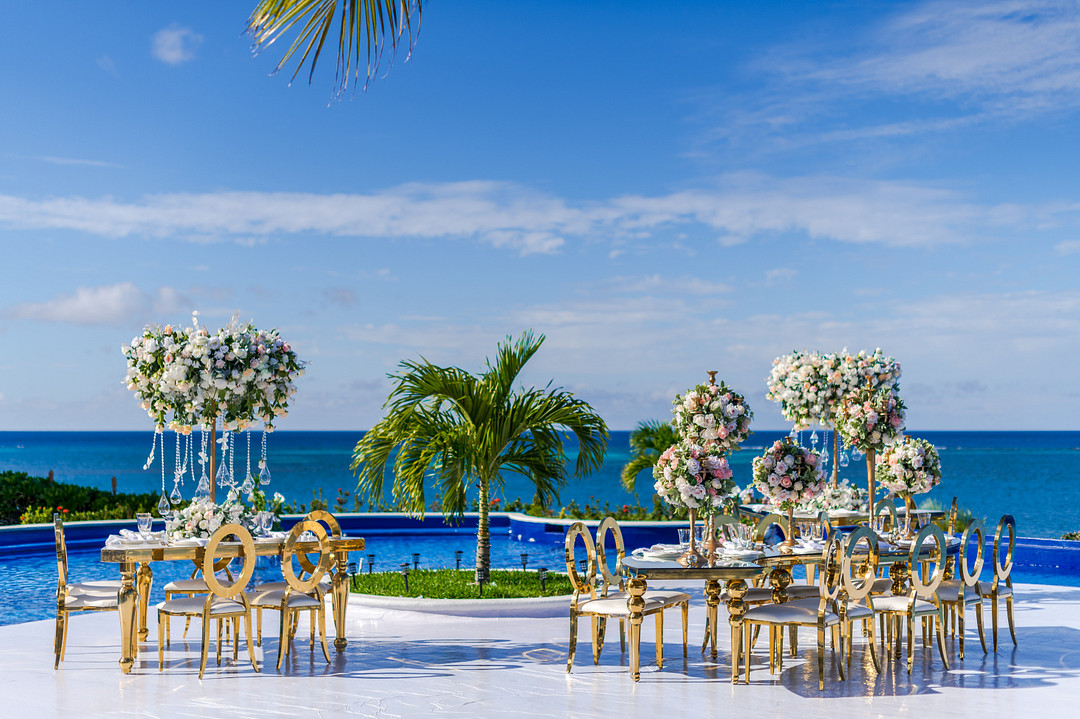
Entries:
{"x":856,"y":600}
{"x":921,"y":598}
{"x":586,"y":603}
{"x":303,"y":593}
{"x":614,"y":584}
{"x":224,"y":601}
{"x":194,"y":585}
{"x":1001,"y":585}
{"x":818,"y":613}
{"x":99,"y":596}
{"x":957,"y":594}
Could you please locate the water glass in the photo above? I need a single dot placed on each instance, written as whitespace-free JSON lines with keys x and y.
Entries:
{"x":684,"y":536}
{"x":263,"y":520}
{"x":145,"y":520}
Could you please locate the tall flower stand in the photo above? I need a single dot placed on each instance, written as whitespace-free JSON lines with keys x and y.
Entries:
{"x":871,"y":463}
{"x":691,"y":557}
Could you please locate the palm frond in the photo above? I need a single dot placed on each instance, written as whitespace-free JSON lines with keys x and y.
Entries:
{"x":647,"y":442}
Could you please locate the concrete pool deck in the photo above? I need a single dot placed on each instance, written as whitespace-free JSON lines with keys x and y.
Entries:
{"x":403,"y":664}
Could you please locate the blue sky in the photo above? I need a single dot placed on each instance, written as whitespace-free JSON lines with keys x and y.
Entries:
{"x":659,"y":188}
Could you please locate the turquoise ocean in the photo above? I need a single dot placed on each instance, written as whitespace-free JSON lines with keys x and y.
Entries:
{"x":1035,"y":476}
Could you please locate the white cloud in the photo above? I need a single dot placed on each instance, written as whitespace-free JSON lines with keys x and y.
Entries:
{"x":1069,"y":247}
{"x":53,"y":160}
{"x":117,"y":304}
{"x":175,"y":45}
{"x":779,"y":274}
{"x":738,"y":207}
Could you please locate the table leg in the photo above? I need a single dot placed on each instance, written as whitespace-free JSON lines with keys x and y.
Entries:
{"x":339,"y":587}
{"x":712,"y":602}
{"x":636,"y":604}
{"x":898,"y":573}
{"x":736,"y":589}
{"x":780,"y":579}
{"x":127,"y":598}
{"x":145,"y":582}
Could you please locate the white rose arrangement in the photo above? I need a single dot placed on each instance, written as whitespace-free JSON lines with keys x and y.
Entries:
{"x":871,"y":420}
{"x":712,"y":416}
{"x":201,"y":517}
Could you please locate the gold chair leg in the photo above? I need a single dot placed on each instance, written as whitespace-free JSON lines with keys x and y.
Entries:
{"x":594,"y":625}
{"x":747,"y":631}
{"x":660,"y":639}
{"x":873,"y":649}
{"x":258,"y":625}
{"x":1009,"y":612}
{"x":910,"y":642}
{"x":939,"y":624}
{"x":58,"y":644}
{"x":994,"y":616}
{"x":959,"y":616}
{"x":979,"y":621}
{"x":622,"y":636}
{"x":160,"y":642}
{"x":685,"y":627}
{"x":573,"y":642}
{"x":218,"y":647}
{"x":322,"y":632}
{"x":601,"y":630}
{"x":205,"y":642}
{"x":821,"y":657}
{"x":251,"y":648}
{"x":779,"y":650}
{"x":284,"y":637}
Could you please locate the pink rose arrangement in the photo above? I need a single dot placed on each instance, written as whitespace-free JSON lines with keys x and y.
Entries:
{"x":712,"y":416}
{"x":691,"y":476}
{"x":789,"y":474}
{"x":910,"y":466}
{"x":870,"y":420}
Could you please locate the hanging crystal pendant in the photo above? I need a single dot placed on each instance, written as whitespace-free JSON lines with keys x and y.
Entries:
{"x":793,"y":434}
{"x":202,"y":491}
{"x":264,"y":476}
{"x":814,"y":439}
{"x":824,"y":454}
{"x":857,"y":454}
{"x":223,"y":479}
{"x":163,"y":506}
{"x":176,"y":497}
{"x":844,"y":461}
{"x":247,"y":485}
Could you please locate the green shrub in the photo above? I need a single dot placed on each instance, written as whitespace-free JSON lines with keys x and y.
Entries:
{"x":25,"y":499}
{"x":1071,"y":535}
{"x":459,"y":584}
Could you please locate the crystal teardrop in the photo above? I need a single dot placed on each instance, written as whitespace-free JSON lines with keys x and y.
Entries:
{"x":163,"y":505}
{"x":264,"y":476}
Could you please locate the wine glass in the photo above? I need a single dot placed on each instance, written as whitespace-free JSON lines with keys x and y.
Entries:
{"x":263,"y":520}
{"x":145,"y":520}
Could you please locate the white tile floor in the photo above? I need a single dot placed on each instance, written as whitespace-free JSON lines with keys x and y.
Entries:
{"x":403,"y":664}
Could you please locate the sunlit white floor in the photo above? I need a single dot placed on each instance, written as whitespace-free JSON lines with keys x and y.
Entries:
{"x":404,"y":664}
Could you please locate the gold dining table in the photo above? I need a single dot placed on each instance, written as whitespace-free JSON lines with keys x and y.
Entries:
{"x":735,"y":574}
{"x":137,"y":579}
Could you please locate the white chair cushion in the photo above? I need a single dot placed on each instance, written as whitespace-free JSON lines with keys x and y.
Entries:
{"x":615,"y":606}
{"x":754,"y":595}
{"x":803,"y":591}
{"x":105,"y":586}
{"x":194,"y":605}
{"x":198,"y":584}
{"x":87,"y":601}
{"x":272,"y":599}
{"x":1004,"y":590}
{"x":857,"y":611}
{"x":797,"y":611}
{"x":949,"y":591}
{"x":282,"y":586}
{"x":882,"y":585}
{"x":899,"y":603}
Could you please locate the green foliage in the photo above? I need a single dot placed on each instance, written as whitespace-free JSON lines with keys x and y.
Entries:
{"x":459,"y":584}
{"x":964,"y":516}
{"x":447,"y":427}
{"x":1071,"y":535}
{"x":659,"y":512}
{"x":647,"y":442}
{"x":25,"y":500}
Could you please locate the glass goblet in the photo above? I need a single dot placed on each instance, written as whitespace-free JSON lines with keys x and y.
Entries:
{"x":145,"y":520}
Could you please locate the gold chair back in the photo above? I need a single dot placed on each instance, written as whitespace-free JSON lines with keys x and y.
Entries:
{"x":61,"y":553}
{"x":765,"y":522}
{"x":289,"y":551}
{"x":888,"y":506}
{"x":952,"y":517}
{"x":1003,"y":570}
{"x":829,"y":583}
{"x":927,"y":589}
{"x":858,"y":587}
{"x":970,"y":575}
{"x":609,"y":525}
{"x":210,"y":558}
{"x":825,"y":525}
{"x":320,"y":516}
{"x":586,"y":585}
{"x":728,"y":525}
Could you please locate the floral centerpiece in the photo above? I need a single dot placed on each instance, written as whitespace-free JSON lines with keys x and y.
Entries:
{"x":202,"y":517}
{"x":788,"y":474}
{"x":794,"y":382}
{"x":688,"y":475}
{"x":713,"y":417}
{"x":870,"y":420}
{"x":910,"y":466}
{"x":841,"y":495}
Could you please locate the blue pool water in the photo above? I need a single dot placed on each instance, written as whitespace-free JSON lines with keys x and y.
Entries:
{"x":30,"y":580}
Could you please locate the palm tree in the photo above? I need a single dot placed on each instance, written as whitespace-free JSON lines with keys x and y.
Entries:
{"x":647,"y":442}
{"x":454,"y":429}
{"x":355,"y":25}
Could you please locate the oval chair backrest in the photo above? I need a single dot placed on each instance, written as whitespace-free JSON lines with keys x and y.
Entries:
{"x":888,"y":506}
{"x":609,"y":525}
{"x":1003,"y":571}
{"x":315,"y":574}
{"x":728,"y":525}
{"x":829,"y":582}
{"x":825,"y":525}
{"x":767,"y":521}
{"x":323,"y":517}
{"x":210,"y":558}
{"x":61,"y":550}
{"x":971,"y":575}
{"x":927,"y":589}
{"x":586,"y":584}
{"x":856,"y":587}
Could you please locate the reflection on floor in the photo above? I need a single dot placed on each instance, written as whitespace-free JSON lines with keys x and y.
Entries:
{"x":402,"y":664}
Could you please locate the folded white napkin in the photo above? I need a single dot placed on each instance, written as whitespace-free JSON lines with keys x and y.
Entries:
{"x":190,"y":542}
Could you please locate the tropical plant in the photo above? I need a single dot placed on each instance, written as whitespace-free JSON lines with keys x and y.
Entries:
{"x":647,"y":442}
{"x":356,"y":25}
{"x":454,"y":429}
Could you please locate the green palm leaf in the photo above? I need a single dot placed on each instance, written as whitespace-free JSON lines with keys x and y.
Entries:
{"x":647,"y":442}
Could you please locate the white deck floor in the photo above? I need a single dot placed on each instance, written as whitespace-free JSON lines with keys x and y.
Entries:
{"x":403,"y":664}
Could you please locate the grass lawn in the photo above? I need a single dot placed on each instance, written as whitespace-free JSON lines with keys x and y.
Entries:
{"x":459,"y":584}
